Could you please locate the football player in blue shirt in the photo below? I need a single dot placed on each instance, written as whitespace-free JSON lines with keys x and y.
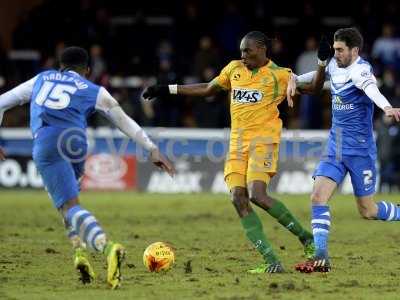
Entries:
{"x":351,"y":146}
{"x":60,"y":103}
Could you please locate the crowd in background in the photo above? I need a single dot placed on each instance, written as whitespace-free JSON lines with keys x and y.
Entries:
{"x":190,"y":41}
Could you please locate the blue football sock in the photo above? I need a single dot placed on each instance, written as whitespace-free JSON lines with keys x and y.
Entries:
{"x":83,"y":223}
{"x":320,"y":223}
{"x":388,"y":211}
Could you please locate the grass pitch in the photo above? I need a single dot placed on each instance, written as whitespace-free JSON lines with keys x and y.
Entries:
{"x":212,"y":253}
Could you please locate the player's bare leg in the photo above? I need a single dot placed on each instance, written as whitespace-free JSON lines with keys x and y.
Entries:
{"x":367,"y":207}
{"x":240,"y":201}
{"x":259,"y":196}
{"x":254,"y":231}
{"x":382,"y":210}
{"x":323,"y":190}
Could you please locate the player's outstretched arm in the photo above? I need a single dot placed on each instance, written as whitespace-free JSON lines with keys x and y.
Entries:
{"x":392,"y":112}
{"x":372,"y":91}
{"x":17,"y":96}
{"x":312,"y":82}
{"x":111,"y":109}
{"x":198,"y":89}
{"x":364,"y":79}
{"x":324,"y":53}
{"x":291,"y":89}
{"x":318,"y":79}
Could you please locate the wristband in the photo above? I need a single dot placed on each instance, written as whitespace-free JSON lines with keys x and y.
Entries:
{"x":322,"y":63}
{"x":173,"y":89}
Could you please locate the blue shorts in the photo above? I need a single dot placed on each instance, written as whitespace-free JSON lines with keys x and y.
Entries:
{"x":59,"y":155}
{"x":361,"y":168}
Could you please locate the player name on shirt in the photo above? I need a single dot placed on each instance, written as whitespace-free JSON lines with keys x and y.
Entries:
{"x":64,"y":77}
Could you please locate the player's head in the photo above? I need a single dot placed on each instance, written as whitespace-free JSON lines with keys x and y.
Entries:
{"x":253,"y":49}
{"x":76,"y":59}
{"x":347,"y":43}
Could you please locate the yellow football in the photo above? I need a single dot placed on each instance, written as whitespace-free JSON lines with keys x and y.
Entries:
{"x":158,"y":257}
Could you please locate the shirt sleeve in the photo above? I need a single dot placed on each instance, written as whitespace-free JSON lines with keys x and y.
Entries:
{"x":306,"y":77}
{"x":105,"y":101}
{"x":19,"y":95}
{"x":372,"y":91}
{"x":362,"y":76}
{"x":223,"y":80}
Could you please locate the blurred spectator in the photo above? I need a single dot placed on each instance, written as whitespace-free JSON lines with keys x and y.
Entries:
{"x":389,"y":10}
{"x":212,"y":111}
{"x":23,"y":30}
{"x":310,"y":19}
{"x":279,"y":53}
{"x":98,"y":65}
{"x":231,"y":29}
{"x":167,"y":111}
{"x":52,"y":61}
{"x":205,"y":57}
{"x":310,"y":105}
{"x":369,"y":22}
{"x":100,"y":30}
{"x":49,"y":63}
{"x":388,"y":87}
{"x":307,"y":60}
{"x":136,"y":41}
{"x":386,"y":48}
{"x":60,"y":46}
{"x":388,"y":142}
{"x":165,"y":52}
{"x":190,"y":19}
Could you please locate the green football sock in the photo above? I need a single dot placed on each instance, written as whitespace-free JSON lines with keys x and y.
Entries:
{"x":284,"y":217}
{"x":254,"y":232}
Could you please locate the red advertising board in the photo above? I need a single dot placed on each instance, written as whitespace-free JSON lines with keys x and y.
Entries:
{"x":105,"y":171}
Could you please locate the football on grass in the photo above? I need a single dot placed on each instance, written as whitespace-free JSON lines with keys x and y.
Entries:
{"x":158,"y":257}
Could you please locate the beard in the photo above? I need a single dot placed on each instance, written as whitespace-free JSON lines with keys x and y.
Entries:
{"x":344,"y":62}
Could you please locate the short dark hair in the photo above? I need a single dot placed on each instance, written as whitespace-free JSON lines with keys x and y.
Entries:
{"x":351,"y":36}
{"x":74,"y":58}
{"x":260,"y":38}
